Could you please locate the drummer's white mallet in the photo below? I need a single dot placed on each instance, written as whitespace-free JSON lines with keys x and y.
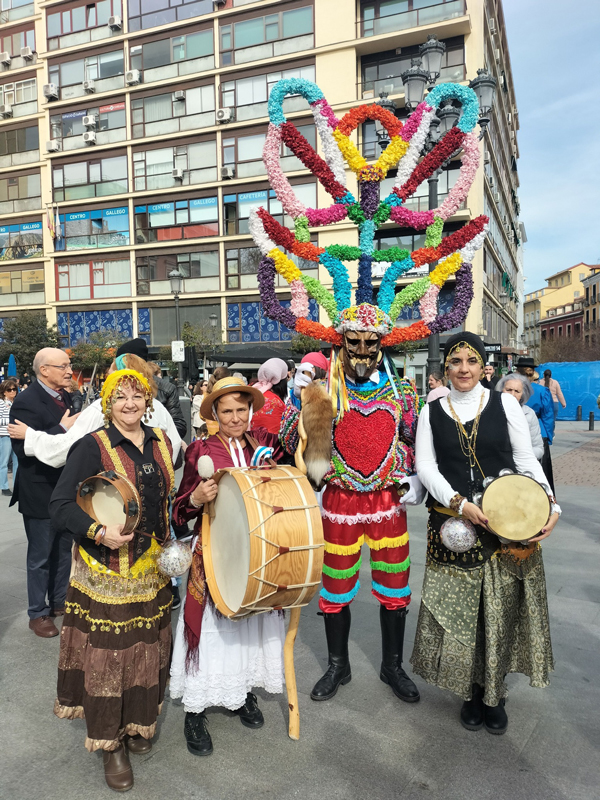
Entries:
{"x":206,"y":467}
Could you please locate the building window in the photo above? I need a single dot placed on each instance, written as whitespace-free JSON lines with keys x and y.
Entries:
{"x":200,"y":270}
{"x":103,"y":227}
{"x":96,"y":178}
{"x":172,"y":51}
{"x":236,"y":207}
{"x":23,"y":287}
{"x":108,"y":118}
{"x":19,"y":140}
{"x":593,"y":316}
{"x":246,"y":322}
{"x":12,"y":43}
{"x":18,"y":92}
{"x":582,"y":276}
{"x":183,"y":219}
{"x":576,"y":294}
{"x":244,"y":153}
{"x":21,"y":241}
{"x":22,"y":187}
{"x":148,"y":111}
{"x":569,"y":331}
{"x":92,"y":68}
{"x":560,"y":330}
{"x":163,"y":324}
{"x":249,"y":95}
{"x":153,"y":169}
{"x":241,"y":267}
{"x":81,"y":17}
{"x":384,"y":16}
{"x":87,"y":280}
{"x":297,"y":22}
{"x":381,"y":72}
{"x":143,"y":14}
{"x":577,"y":329}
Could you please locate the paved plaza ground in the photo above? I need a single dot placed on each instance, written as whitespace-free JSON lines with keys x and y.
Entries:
{"x":364,"y":743}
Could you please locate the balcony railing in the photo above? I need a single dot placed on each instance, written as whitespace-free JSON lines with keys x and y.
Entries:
{"x":392,"y":84}
{"x":436,"y":12}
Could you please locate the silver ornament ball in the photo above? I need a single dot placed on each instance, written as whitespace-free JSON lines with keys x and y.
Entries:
{"x":458,"y":535}
{"x":174,"y":558}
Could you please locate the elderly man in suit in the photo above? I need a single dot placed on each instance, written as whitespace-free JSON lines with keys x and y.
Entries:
{"x":44,"y":406}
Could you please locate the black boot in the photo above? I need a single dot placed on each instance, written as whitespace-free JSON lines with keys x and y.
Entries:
{"x":471,"y":713}
{"x":196,"y":734}
{"x":250,"y":714}
{"x":495,"y":719}
{"x":392,"y":641}
{"x":337,"y":631}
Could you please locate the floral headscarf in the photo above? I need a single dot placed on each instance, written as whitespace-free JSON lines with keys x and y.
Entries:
{"x":114,"y":382}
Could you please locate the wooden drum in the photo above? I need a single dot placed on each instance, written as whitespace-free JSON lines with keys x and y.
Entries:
{"x":262,"y":541}
{"x":517,"y":507}
{"x":110,"y":499}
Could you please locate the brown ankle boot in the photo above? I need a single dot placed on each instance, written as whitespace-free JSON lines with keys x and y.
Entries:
{"x":117,"y":769}
{"x":138,"y":745}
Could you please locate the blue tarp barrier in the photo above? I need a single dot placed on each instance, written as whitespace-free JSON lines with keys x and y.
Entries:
{"x":580,"y":384}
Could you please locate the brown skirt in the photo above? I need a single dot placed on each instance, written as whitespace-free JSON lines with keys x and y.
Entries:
{"x":114,"y":665}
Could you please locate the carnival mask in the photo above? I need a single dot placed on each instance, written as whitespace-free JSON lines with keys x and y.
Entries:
{"x":360,"y":353}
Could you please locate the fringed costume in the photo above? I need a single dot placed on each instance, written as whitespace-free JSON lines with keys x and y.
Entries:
{"x":116,"y":636}
{"x":374,"y":412}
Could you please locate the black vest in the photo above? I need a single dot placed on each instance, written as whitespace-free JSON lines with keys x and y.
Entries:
{"x":492,"y":448}
{"x":493,"y":451}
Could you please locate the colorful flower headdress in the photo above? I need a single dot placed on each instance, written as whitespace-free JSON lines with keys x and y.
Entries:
{"x":456,"y":251}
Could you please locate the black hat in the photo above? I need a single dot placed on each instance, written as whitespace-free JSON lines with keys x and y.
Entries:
{"x":526,"y":361}
{"x":137,"y":347}
{"x":470,"y":339}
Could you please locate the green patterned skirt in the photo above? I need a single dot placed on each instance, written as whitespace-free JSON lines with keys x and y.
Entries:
{"x":476,"y":626}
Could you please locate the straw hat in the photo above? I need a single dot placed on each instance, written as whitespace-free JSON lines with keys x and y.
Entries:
{"x":230,"y":385}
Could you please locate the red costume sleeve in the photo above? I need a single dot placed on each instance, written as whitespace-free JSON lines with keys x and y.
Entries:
{"x":182,"y":512}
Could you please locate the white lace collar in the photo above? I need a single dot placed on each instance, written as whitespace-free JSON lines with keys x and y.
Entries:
{"x":466,"y":398}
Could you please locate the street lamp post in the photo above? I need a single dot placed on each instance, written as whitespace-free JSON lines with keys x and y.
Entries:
{"x":426,"y":70}
{"x":176,"y":280}
{"x":213,"y":324}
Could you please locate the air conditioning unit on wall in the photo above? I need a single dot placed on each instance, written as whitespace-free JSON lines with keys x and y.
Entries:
{"x":6,"y":110}
{"x":89,"y":137}
{"x":227,"y":172}
{"x":133,"y":77}
{"x":225,"y":115}
{"x":5,"y":58}
{"x":53,"y":146}
{"x":89,"y":87}
{"x":89,"y":121}
{"x":178,"y":174}
{"x":114,"y":23}
{"x":50,"y":91}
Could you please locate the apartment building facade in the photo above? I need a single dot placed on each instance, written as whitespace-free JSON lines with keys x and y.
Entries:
{"x":131,"y":140}
{"x":540,"y":307}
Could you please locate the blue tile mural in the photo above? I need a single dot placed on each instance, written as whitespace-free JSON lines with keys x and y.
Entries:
{"x":144,"y":324}
{"x":75,"y":326}
{"x":246,"y":323}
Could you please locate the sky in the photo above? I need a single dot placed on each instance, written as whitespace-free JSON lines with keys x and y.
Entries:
{"x":555,"y":58}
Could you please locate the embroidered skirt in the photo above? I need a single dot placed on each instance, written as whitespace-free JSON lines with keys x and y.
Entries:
{"x":114,"y":654}
{"x":476,"y":626}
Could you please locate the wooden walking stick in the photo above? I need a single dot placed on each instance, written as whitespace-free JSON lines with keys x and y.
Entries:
{"x":290,"y":674}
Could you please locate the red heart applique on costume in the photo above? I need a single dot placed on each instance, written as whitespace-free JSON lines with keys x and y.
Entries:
{"x":363,"y":440}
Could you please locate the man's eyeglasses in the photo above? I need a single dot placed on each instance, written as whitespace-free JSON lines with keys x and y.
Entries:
{"x":61,"y":367}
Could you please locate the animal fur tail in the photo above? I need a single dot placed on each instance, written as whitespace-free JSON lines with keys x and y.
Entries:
{"x":314,"y":428}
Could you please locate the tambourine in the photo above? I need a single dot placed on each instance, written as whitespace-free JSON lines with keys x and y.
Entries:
{"x":516,"y":506}
{"x":110,"y":499}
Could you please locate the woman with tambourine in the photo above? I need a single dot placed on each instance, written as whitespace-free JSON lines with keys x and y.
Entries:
{"x":116,"y":635}
{"x":484,"y":608}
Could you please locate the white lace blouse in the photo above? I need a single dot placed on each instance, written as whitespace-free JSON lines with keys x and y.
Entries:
{"x":466,"y":405}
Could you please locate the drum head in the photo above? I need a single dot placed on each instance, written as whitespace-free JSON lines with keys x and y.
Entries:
{"x":230,"y":543}
{"x":517,"y":507}
{"x":107,"y":503}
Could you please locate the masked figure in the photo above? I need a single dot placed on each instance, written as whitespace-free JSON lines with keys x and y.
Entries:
{"x":354,"y":433}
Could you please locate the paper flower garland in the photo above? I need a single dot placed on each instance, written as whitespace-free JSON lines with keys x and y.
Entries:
{"x":454,"y":252}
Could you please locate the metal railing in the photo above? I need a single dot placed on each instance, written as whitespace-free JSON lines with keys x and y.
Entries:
{"x":436,"y":12}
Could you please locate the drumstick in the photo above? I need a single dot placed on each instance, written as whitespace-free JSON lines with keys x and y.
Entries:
{"x":290,"y":674}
